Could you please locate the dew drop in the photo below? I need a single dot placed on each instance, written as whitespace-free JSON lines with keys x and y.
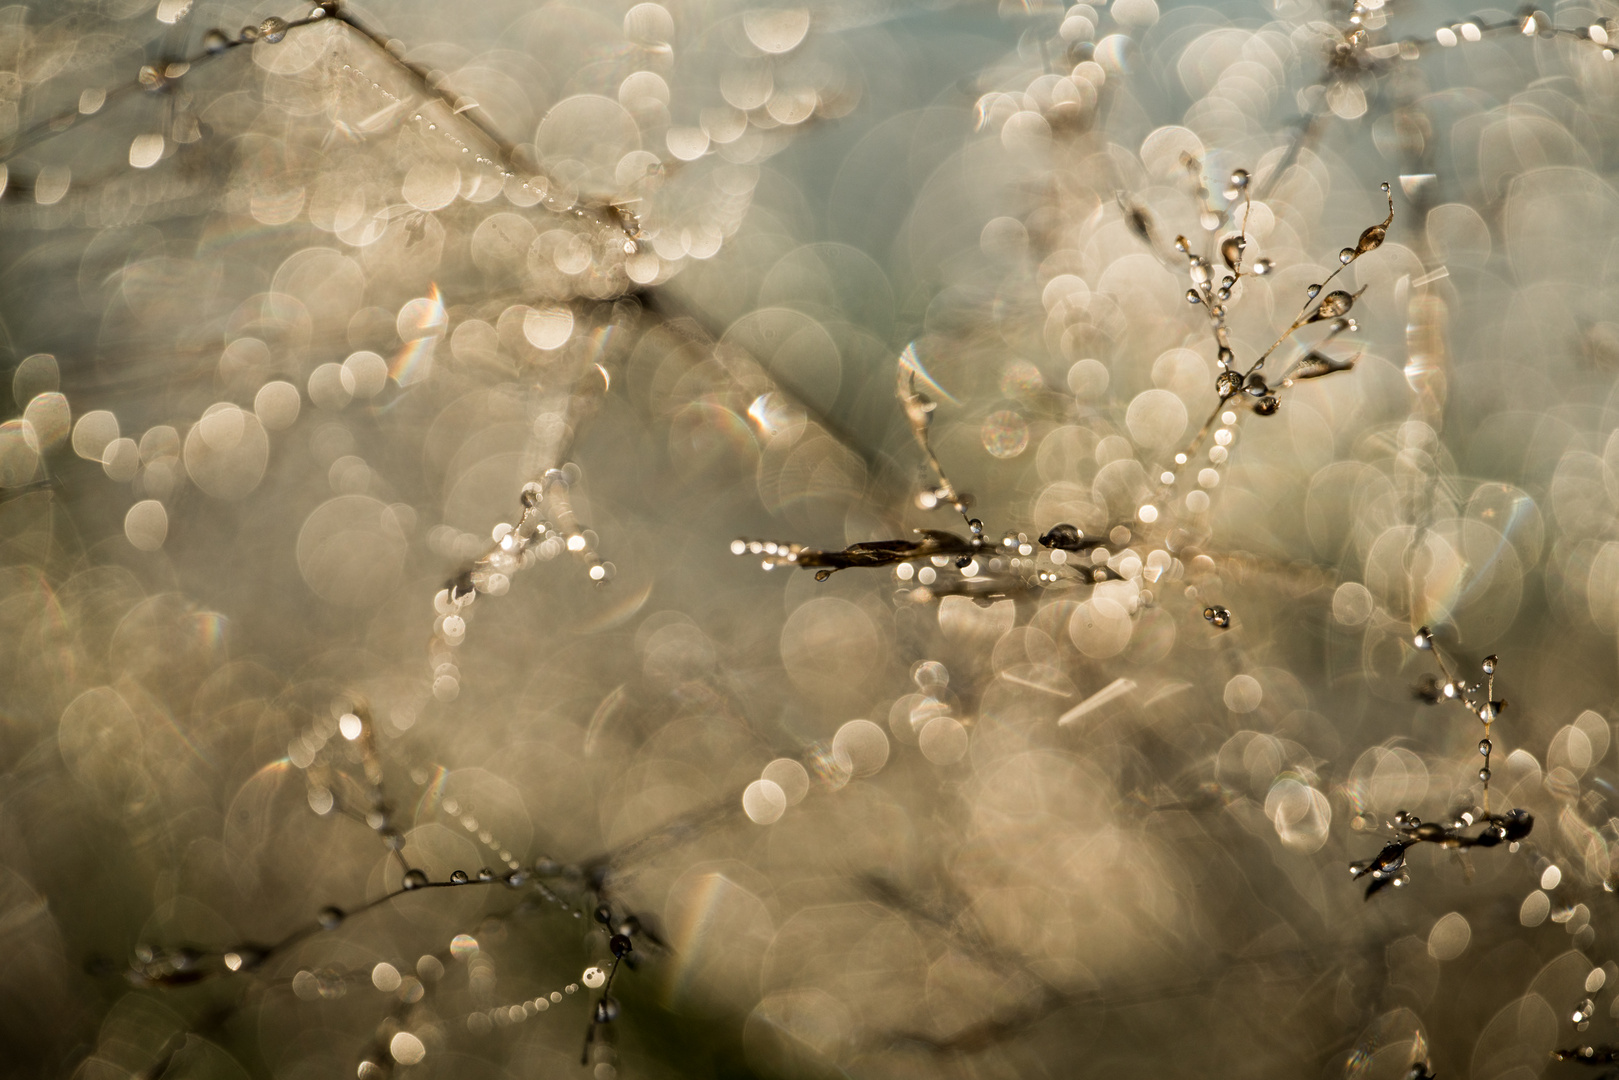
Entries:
{"x":414,"y":879}
{"x":273,"y":29}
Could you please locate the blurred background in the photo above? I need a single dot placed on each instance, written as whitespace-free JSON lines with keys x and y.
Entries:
{"x":390,"y":385}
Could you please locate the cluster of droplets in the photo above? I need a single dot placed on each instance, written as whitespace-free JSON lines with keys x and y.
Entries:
{"x":518,"y":545}
{"x":943,"y":495}
{"x":1208,"y":476}
{"x":327,"y":750}
{"x":1014,"y":559}
{"x":484,"y":1021}
{"x":1532,"y":23}
{"x":416,"y":878}
{"x":1214,"y":293}
{"x":1015,"y":565}
{"x":272,"y":30}
{"x":621,"y":228}
{"x":1369,"y":15}
{"x":1388,"y":867}
{"x":223,"y":452}
{"x":478,"y":831}
{"x":774,"y":553}
{"x":1128,"y":567}
{"x":395,"y":1043}
{"x":1234,"y":384}
{"x":1478,"y":697}
{"x":323,"y":747}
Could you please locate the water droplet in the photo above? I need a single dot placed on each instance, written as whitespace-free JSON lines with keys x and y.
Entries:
{"x":1267,"y":405}
{"x":621,"y":945}
{"x":273,"y":29}
{"x":414,"y":879}
{"x":330,"y":918}
{"x":1218,"y":615}
{"x":1263,"y":267}
{"x":1346,"y":256}
{"x":606,"y":1011}
{"x":1489,"y":664}
{"x":1490,"y":710}
{"x":1336,"y":304}
{"x":1192,"y":297}
{"x":1484,"y":775}
{"x":1228,"y":384}
{"x":1181,"y":245}
{"x":1485,"y":746}
{"x":215,"y":41}
{"x":1313,"y":291}
{"x":1239,"y":179}
{"x":459,"y":877}
{"x":1423,"y":638}
{"x":1231,"y":249}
